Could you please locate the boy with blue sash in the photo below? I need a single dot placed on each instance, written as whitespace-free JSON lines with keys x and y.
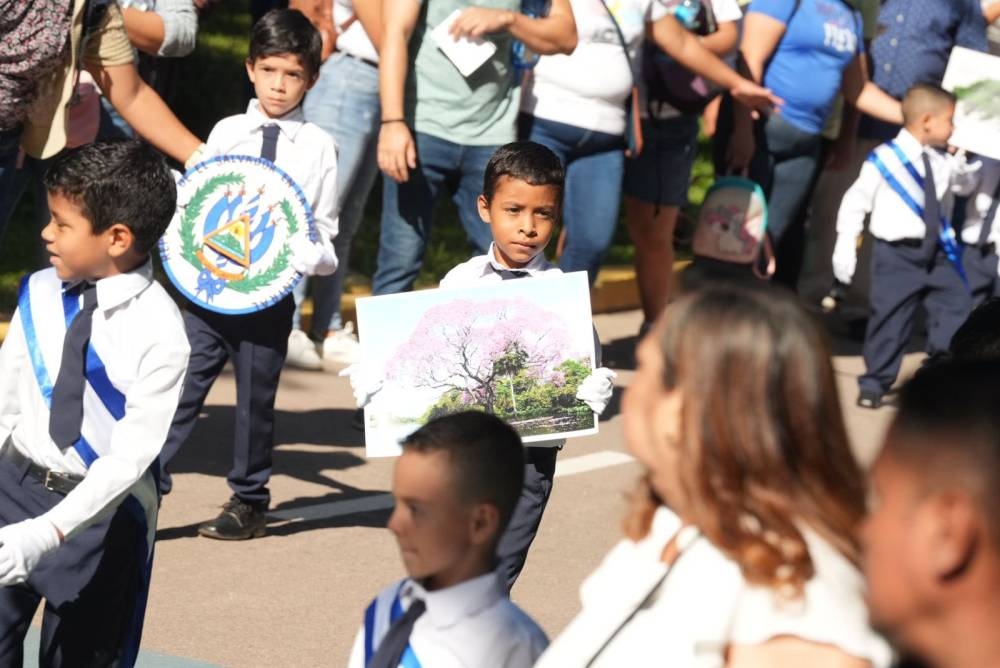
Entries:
{"x":907,"y":186}
{"x":90,"y":374}
{"x":456,"y":485}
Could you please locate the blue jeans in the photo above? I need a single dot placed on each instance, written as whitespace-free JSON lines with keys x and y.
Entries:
{"x":407,"y":208}
{"x":112,"y":127}
{"x":594,"y":163}
{"x":344,"y":102}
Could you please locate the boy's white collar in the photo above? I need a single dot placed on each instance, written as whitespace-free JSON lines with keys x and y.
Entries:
{"x":289,"y":123}
{"x":451,"y":605}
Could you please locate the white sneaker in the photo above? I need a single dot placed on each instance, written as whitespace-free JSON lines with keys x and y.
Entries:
{"x":302,"y":352}
{"x":342,"y":346}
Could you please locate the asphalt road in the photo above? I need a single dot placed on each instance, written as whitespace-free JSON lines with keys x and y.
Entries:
{"x":296,"y":597}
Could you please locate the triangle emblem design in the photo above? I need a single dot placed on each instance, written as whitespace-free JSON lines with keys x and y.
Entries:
{"x":232,"y":241}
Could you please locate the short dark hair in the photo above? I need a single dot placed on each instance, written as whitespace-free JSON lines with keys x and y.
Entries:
{"x":925,"y":98}
{"x":947,"y":429}
{"x":282,"y":31}
{"x":979,"y":336}
{"x":116,"y":182}
{"x":525,"y":161}
{"x":486,"y":457}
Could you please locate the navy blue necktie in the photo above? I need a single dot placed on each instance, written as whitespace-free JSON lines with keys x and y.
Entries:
{"x":932,"y":212}
{"x":269,"y":144}
{"x":391,"y":649}
{"x":508,"y":274}
{"x":66,"y":410}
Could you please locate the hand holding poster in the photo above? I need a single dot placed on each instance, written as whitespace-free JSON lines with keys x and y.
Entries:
{"x":974,"y":78}
{"x":517,"y":349}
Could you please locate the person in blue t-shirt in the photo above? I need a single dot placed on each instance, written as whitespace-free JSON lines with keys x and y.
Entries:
{"x":805,"y":51}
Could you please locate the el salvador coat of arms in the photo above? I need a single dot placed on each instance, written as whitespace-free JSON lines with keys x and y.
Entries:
{"x":227,"y":248}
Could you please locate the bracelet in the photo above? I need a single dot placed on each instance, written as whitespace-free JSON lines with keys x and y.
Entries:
{"x":386,"y":121}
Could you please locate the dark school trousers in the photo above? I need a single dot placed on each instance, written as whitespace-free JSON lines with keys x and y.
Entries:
{"x":94,"y":585}
{"x":981,"y":266}
{"x":512,"y":551}
{"x":256,"y":343}
{"x":900,"y":282}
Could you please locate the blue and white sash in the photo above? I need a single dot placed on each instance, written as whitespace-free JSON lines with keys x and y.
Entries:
{"x":890,"y":161}
{"x":45,"y":307}
{"x":379,"y":616}
{"x":45,"y":311}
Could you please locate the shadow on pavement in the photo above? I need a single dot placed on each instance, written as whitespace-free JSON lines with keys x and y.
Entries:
{"x":620,"y":353}
{"x":210,"y":448}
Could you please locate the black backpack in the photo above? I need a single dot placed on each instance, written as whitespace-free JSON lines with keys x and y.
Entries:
{"x":670,"y":83}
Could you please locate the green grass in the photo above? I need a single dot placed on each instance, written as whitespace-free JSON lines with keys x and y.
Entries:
{"x":212,"y":84}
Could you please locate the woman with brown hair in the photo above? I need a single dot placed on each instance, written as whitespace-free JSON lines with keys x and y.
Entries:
{"x":740,"y":547}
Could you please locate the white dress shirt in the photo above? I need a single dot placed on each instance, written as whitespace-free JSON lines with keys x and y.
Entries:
{"x":305,"y":152}
{"x":891,"y":218}
{"x":979,"y":205}
{"x":704,"y":605}
{"x":139,"y":335}
{"x":473,"y":624}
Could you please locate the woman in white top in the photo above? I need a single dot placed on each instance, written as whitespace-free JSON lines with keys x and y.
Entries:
{"x":740,"y":547}
{"x":575,"y":105}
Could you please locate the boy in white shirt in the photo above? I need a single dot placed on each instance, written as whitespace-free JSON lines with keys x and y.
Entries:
{"x":455,"y":485}
{"x":908,"y":188}
{"x":283,"y":64}
{"x":521,"y":202}
{"x":90,"y":374}
{"x":981,"y":233}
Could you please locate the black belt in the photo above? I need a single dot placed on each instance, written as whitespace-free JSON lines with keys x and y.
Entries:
{"x":907,"y":243}
{"x":366,"y":61}
{"x":987,"y":249}
{"x":54,"y":481}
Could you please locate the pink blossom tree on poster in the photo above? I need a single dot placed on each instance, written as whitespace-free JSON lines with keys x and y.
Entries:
{"x":505,"y":356}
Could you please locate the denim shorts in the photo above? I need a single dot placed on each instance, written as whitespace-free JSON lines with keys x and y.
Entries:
{"x":661,"y":174}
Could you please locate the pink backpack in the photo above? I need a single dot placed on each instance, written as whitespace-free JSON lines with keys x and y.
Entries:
{"x":732,"y":226}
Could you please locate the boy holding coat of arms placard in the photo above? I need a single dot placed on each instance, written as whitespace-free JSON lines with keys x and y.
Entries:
{"x":283,"y":64}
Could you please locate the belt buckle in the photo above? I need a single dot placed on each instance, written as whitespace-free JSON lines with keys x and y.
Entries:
{"x":56,"y":481}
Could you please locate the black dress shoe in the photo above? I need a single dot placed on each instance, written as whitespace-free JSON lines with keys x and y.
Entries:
{"x":869,"y":400}
{"x":238,"y":520}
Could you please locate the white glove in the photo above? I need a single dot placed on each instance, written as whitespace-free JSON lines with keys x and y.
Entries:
{"x":596,"y":389}
{"x":364,"y":383}
{"x":845,"y":258}
{"x":305,"y":255}
{"x":22,"y":545}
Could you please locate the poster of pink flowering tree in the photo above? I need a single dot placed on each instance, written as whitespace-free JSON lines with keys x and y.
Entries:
{"x":517,"y":349}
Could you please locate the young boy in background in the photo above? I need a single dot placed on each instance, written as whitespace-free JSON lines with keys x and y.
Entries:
{"x":283,"y":64}
{"x":521,"y":202}
{"x":455,"y":485}
{"x":907,"y":185}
